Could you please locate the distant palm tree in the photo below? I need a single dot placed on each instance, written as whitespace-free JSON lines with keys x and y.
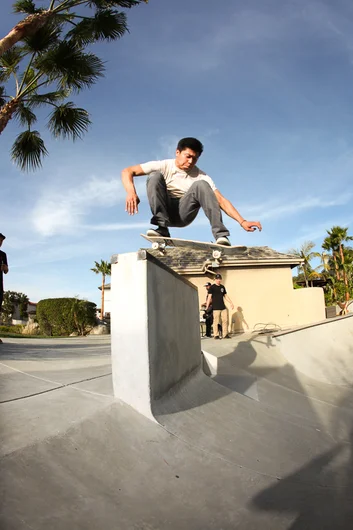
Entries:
{"x":51,"y":63}
{"x":305,"y":253}
{"x":337,"y":236}
{"x":324,"y":262}
{"x":103,"y":268}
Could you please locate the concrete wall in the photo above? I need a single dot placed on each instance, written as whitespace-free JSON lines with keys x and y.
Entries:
{"x":323,"y":352}
{"x":154,"y":328}
{"x":264,"y":296}
{"x":308,"y":305}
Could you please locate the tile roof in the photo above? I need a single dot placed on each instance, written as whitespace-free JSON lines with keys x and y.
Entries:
{"x":186,"y":260}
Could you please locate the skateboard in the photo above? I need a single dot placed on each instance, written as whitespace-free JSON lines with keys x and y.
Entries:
{"x":161,"y":244}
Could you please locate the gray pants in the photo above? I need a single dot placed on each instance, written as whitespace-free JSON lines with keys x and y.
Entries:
{"x":168,"y":211}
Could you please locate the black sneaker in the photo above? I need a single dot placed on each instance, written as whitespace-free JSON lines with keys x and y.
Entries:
{"x":227,"y":337}
{"x":216,"y":338}
{"x":161,"y":231}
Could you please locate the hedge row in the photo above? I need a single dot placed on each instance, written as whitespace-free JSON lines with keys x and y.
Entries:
{"x":63,"y":316}
{"x":17,"y":329}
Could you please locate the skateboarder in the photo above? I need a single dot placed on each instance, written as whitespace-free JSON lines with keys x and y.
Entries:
{"x":177,"y":189}
{"x":4,"y":269}
{"x":216,"y":295}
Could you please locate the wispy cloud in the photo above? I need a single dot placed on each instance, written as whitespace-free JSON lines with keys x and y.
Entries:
{"x":116,"y":227}
{"x":332,"y":23}
{"x":62,"y":209}
{"x":166,"y":146}
{"x":283,"y":208}
{"x":234,"y":33}
{"x":316,"y":232}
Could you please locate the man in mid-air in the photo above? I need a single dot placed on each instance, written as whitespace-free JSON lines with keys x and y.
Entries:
{"x":177,"y":189}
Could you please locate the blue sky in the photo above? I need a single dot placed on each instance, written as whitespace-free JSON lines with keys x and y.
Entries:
{"x":265,"y":85}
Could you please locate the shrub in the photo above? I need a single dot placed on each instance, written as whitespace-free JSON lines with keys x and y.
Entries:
{"x":63,"y":316}
{"x":17,"y":329}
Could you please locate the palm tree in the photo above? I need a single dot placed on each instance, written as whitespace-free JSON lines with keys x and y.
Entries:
{"x":103,"y":268}
{"x":305,"y":254}
{"x":337,"y":236}
{"x":49,"y":65}
{"x":105,"y":24}
{"x":330,"y":245}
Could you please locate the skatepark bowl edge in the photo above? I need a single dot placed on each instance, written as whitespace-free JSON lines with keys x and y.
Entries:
{"x":259,"y":438}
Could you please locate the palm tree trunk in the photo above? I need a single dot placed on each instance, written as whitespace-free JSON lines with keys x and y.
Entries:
{"x":6,"y":113}
{"x":338,"y":276}
{"x":346,"y":285}
{"x":345,"y":279}
{"x":305,"y":276}
{"x":23,"y":29}
{"x":102,"y":303}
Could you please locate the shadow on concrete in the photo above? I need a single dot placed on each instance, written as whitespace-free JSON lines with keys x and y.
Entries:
{"x":293,"y":426}
{"x":322,"y":507}
{"x":238,"y":361}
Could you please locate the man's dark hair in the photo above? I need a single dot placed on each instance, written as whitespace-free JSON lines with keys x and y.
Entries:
{"x":190,"y":143}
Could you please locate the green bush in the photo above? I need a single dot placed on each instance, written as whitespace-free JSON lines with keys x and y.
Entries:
{"x":63,"y":316}
{"x":17,"y":329}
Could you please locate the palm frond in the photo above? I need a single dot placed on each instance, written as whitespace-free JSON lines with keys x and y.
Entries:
{"x":2,"y":96}
{"x":9,"y":62}
{"x":307,"y":246}
{"x":68,"y":121}
{"x":25,"y":6}
{"x":36,"y":100}
{"x":105,"y":25}
{"x":43,"y":39}
{"x":4,"y":75}
{"x":25,"y":115}
{"x":126,"y":4}
{"x":68,"y":65}
{"x":28,"y":150}
{"x":28,"y":76}
{"x":104,"y":267}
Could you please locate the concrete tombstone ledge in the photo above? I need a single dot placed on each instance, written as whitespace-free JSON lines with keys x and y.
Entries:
{"x":155,"y":332}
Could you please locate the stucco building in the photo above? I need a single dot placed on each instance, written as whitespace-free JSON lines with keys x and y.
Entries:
{"x":259,"y":282}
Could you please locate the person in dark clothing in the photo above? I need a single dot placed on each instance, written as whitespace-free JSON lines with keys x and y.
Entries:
{"x":216,"y":295}
{"x":4,"y":269}
{"x":208,"y":314}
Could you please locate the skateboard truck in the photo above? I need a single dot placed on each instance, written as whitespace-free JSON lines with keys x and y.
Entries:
{"x":217,"y":254}
{"x":157,"y":245}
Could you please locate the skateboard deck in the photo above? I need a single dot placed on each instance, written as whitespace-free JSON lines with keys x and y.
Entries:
{"x":160,"y":243}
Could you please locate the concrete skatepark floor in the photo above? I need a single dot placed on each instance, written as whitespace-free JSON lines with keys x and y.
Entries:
{"x":264,"y":442}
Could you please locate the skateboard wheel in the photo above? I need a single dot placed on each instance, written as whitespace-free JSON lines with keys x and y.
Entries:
{"x":155,"y":245}
{"x":216,"y":254}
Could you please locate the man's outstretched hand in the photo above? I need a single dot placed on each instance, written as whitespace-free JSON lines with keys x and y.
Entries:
{"x":132,"y":202}
{"x":250,"y":226}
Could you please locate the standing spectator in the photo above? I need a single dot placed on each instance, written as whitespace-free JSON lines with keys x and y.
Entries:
{"x":4,"y":269}
{"x":208,"y":314}
{"x":217,"y":294}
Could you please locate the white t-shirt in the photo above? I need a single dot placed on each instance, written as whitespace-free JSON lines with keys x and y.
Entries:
{"x":177,"y":180}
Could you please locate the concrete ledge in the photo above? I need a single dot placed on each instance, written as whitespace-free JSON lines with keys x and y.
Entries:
{"x":307,"y":326}
{"x":155,"y":335}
